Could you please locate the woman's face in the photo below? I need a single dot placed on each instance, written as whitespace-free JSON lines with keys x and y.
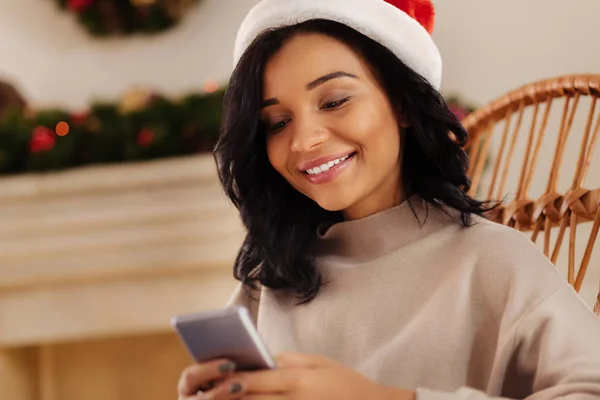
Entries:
{"x":331,"y":130}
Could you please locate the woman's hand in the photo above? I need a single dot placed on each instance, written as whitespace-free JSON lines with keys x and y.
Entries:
{"x":304,"y":377}
{"x":202,"y":377}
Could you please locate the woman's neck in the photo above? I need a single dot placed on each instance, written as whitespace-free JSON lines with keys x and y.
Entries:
{"x":374,"y":204}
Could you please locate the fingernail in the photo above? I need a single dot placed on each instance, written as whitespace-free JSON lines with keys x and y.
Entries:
{"x":227,"y":367}
{"x":235,"y":388}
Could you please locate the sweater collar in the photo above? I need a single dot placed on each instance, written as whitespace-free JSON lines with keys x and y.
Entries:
{"x":379,"y":234}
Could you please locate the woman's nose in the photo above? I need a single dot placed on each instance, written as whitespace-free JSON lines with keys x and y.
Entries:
{"x":307,"y":136}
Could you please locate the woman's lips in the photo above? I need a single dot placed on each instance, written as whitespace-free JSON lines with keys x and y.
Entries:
{"x":327,"y":172}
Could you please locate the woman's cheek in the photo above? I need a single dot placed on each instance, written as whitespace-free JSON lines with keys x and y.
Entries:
{"x":276,"y":153}
{"x":358,"y":122}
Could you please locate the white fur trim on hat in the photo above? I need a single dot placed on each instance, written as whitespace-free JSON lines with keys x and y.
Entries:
{"x":376,"y":19}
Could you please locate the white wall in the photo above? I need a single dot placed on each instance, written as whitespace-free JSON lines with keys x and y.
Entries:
{"x":489,"y":47}
{"x":54,"y":61}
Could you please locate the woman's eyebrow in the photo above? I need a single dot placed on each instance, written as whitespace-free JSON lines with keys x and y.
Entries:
{"x":328,"y":77}
{"x":312,"y":85}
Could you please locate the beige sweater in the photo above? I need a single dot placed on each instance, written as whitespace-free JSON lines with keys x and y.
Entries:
{"x":455,"y":313}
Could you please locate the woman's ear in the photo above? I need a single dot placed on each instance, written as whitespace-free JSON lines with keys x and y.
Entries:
{"x":404,"y":121}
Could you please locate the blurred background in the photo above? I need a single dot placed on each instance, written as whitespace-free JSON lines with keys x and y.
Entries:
{"x":111,"y":216}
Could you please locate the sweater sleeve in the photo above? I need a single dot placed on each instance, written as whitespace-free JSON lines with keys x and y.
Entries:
{"x":557,"y":350}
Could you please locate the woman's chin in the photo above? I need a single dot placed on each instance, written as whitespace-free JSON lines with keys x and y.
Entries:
{"x":332,"y":204}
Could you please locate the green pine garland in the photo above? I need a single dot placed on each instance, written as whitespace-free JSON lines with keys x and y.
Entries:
{"x":107,"y":134}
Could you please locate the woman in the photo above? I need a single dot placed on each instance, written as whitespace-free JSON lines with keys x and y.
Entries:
{"x":363,"y":247}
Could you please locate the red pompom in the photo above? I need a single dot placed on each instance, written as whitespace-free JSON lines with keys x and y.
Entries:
{"x":421,"y":10}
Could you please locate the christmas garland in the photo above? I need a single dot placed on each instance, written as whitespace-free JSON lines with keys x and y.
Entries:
{"x":141,"y":126}
{"x":120,"y":17}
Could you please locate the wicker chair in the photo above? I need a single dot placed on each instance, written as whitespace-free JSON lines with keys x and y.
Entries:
{"x":547,"y":195}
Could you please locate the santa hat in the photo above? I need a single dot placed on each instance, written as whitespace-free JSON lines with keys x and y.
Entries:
{"x":403,"y":26}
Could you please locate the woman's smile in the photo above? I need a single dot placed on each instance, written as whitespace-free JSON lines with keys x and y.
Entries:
{"x":326,"y":169}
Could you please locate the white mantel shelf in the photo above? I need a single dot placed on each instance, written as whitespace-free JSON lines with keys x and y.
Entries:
{"x":112,"y":250}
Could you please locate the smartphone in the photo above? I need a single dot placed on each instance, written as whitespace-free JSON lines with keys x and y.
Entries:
{"x":227,"y":333}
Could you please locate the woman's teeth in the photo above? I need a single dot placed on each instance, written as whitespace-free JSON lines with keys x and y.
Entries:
{"x":325,"y":167}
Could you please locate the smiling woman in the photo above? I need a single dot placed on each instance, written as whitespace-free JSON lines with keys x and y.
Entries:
{"x":363,"y":246}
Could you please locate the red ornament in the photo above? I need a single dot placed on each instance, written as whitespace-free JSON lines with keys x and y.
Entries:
{"x":42,"y":139}
{"x":79,"y":5}
{"x":79,"y":118}
{"x":421,"y":10}
{"x":460,"y":112}
{"x":146,"y":137}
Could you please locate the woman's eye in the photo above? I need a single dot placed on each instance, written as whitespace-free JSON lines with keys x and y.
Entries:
{"x":277,"y":126}
{"x":332,"y":105}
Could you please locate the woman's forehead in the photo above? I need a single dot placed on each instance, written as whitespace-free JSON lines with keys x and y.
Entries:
{"x":308,"y":56}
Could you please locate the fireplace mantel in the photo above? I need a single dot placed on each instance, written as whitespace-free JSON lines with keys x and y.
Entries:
{"x":112,"y":250}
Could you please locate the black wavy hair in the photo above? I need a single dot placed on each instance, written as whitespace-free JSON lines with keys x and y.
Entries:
{"x":281,"y":223}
